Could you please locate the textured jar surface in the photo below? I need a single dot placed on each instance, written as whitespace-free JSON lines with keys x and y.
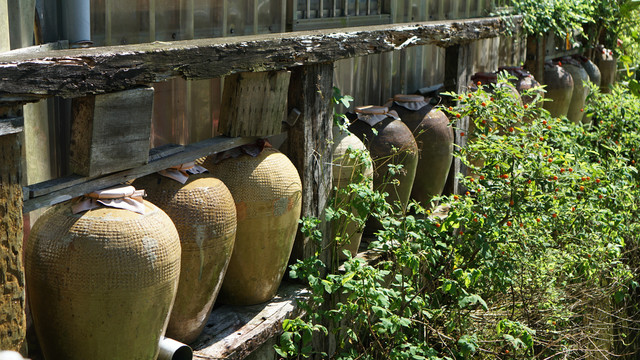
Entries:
{"x":580,"y":91}
{"x":393,"y":144}
{"x":559,"y":89}
{"x":101,"y":283}
{"x":434,"y":137}
{"x":267,"y":193}
{"x":204,"y":213}
{"x":347,"y":170}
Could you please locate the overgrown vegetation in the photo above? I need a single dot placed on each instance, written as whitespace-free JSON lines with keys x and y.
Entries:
{"x":536,"y":261}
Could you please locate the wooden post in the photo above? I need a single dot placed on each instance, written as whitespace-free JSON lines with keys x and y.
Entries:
{"x":535,"y":55}
{"x":457,"y":70}
{"x":12,"y":294}
{"x":309,"y":141}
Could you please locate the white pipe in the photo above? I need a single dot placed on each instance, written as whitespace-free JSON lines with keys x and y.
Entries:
{"x":77,"y":18}
{"x":174,"y":350}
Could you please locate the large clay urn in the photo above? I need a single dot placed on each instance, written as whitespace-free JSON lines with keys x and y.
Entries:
{"x":102,"y":281}
{"x":351,"y":164}
{"x":434,"y":137}
{"x":590,"y":67}
{"x":204,"y":213}
{"x":523,"y":81}
{"x":559,"y":89}
{"x":389,"y":141}
{"x":607,"y":63}
{"x":267,"y":192}
{"x":580,"y":89}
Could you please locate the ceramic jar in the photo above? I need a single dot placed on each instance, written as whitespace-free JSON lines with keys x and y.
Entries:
{"x":390,"y":142}
{"x":267,"y":190}
{"x":559,"y":88}
{"x":348,"y":170}
{"x":204,"y":214}
{"x":434,"y":136}
{"x":102,"y":281}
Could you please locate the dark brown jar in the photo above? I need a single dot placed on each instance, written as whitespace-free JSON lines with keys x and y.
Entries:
{"x":524,"y":81}
{"x":559,"y":88}
{"x":590,"y":67}
{"x":392,"y":143}
{"x":580,"y":89}
{"x":434,"y":137}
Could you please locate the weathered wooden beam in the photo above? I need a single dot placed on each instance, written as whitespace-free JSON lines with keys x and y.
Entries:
{"x":233,"y":332}
{"x":254,"y":103}
{"x":110,"y":132}
{"x":52,"y":192}
{"x":79,"y":72}
{"x":309,"y":147}
{"x":12,"y":294}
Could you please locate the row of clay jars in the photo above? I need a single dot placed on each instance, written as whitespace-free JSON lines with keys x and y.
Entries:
{"x":110,"y":276}
{"x":566,"y":86}
{"x":607,"y":63}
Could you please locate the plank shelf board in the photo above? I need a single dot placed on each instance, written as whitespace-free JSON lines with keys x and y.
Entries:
{"x":55,"y":191}
{"x":233,"y":332}
{"x":79,"y":72}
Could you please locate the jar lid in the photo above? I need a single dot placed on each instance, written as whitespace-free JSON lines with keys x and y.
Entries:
{"x":408,"y":98}
{"x":117,"y":192}
{"x":372,"y":110}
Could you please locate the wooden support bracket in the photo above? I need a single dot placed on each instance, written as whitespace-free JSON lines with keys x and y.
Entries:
{"x":254,"y":104}
{"x":111,"y":132}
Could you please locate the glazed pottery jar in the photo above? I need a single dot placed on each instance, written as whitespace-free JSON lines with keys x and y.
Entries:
{"x":523,"y":81}
{"x":591,"y":68}
{"x":204,"y":213}
{"x":102,"y":273}
{"x":559,"y":88}
{"x":580,"y":89}
{"x":434,"y":137}
{"x":390,"y":142}
{"x":349,"y":169}
{"x":267,"y":191}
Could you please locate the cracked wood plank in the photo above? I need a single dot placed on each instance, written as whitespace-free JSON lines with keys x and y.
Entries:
{"x":78,"y":72}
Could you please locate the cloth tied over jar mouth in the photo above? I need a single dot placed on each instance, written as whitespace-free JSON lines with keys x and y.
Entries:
{"x":411,"y":102}
{"x":124,"y":197}
{"x":180,"y":173}
{"x":374,"y":114}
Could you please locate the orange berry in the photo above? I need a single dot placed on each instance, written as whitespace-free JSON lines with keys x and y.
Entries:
{"x":461,"y":134}
{"x":561,"y":170}
{"x":598,"y":181}
{"x":450,"y":108}
{"x":570,"y":169}
{"x":541,"y":138}
{"x":573,"y":208}
{"x":455,"y":197}
{"x":481,"y":177}
{"x":437,"y":225}
{"x":549,"y":127}
{"x":526,"y":106}
{"x":581,"y":110}
{"x":508,"y":223}
{"x":600,"y":196}
{"x":458,"y":116}
{"x":538,"y":220}
{"x":550,"y":160}
{"x":484,"y":103}
{"x":511,"y":129}
{"x":581,"y":188}
{"x":511,"y":203}
{"x":479,"y":83}
{"x":459,"y":97}
{"x":544,"y":122}
{"x":554,"y":215}
{"x":467,"y":193}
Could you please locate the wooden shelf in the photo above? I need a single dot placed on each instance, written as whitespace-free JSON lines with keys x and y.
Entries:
{"x":78,"y":72}
{"x":233,"y":332}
